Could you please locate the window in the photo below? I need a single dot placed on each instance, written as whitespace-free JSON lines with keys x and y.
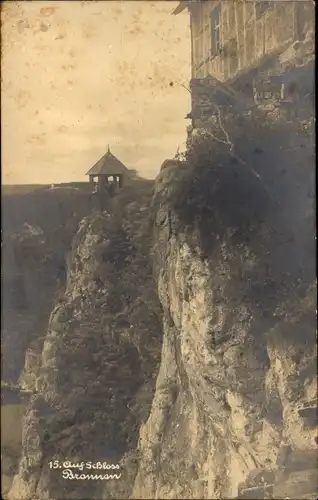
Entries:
{"x":216,"y":30}
{"x":262,"y":6}
{"x":197,"y":37}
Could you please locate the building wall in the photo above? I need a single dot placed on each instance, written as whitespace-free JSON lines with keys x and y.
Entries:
{"x":246,"y":34}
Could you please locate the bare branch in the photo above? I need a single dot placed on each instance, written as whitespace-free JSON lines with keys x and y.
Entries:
{"x":228,"y":141}
{"x":186,"y":88}
{"x":222,"y":128}
{"x":231,"y":144}
{"x":216,"y":138}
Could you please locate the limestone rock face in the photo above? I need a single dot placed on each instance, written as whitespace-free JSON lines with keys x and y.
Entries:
{"x":239,"y":355}
{"x":93,"y":378}
{"x":231,"y":413}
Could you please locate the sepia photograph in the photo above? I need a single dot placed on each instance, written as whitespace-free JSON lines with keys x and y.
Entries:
{"x":158,"y":241}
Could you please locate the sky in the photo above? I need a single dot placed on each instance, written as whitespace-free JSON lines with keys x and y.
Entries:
{"x":77,"y":76}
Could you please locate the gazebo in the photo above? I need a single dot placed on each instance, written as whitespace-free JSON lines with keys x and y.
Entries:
{"x":108,"y":170}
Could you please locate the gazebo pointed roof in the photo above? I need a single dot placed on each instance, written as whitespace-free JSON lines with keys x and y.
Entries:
{"x":108,"y":165}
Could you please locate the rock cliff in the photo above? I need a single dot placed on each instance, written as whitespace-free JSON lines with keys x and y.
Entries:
{"x":234,"y":256}
{"x":92,"y":379}
{"x":38,"y":227}
{"x":223,"y":286}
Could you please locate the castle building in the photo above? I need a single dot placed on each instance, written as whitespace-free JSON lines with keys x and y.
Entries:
{"x":248,"y":51}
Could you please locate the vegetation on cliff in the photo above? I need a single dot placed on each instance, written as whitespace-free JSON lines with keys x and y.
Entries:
{"x":234,"y":254}
{"x":258,"y":192}
{"x":229,"y":233}
{"x":96,"y":370}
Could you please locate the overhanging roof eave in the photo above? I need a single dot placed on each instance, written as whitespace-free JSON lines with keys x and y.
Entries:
{"x":180,"y":8}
